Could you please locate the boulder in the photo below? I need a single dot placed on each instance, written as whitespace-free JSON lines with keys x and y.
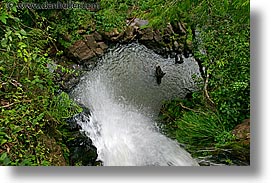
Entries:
{"x":97,"y":36}
{"x":179,"y":59}
{"x":157,"y":36}
{"x":91,"y":42}
{"x":80,"y":51}
{"x":99,"y":51}
{"x":242,"y":132}
{"x":147,"y":34}
{"x":182,"y":27}
{"x":169,"y":29}
{"x":129,"y":34}
{"x":138,"y":22}
{"x":102,"y":45}
{"x":176,"y":45}
{"x":113,"y":35}
{"x":179,"y":28}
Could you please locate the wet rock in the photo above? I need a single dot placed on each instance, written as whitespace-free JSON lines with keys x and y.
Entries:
{"x":97,"y":36}
{"x":99,"y":51}
{"x":182,"y":27}
{"x":89,"y":38}
{"x":159,"y":74}
{"x":69,"y":83}
{"x":102,"y":45}
{"x":169,"y":29}
{"x":176,"y":45}
{"x":179,"y":28}
{"x":91,"y":42}
{"x":82,"y":151}
{"x":129,"y":34}
{"x":113,"y":35}
{"x":157,"y":36}
{"x":80,"y":51}
{"x":147,"y":34}
{"x":117,"y":38}
{"x":173,"y":55}
{"x":166,"y":38}
{"x":179,"y":59}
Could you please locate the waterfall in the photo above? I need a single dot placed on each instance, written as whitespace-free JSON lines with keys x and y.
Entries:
{"x":124,"y":99}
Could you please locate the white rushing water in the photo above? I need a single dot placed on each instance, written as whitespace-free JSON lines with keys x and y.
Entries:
{"x":125,"y":99}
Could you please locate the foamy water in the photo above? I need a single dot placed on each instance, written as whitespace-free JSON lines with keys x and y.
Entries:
{"x":125,"y":99}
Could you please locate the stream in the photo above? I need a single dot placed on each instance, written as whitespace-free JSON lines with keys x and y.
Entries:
{"x":124,"y":99}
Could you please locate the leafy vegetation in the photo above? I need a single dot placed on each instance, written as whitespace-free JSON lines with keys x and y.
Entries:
{"x":32,"y":110}
{"x":222,"y":47}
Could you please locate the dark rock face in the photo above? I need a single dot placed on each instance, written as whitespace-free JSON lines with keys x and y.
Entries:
{"x":82,"y":150}
{"x":178,"y":59}
{"x":159,"y":74}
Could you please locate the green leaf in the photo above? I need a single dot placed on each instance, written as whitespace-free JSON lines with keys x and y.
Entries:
{"x":4,"y":43}
{"x":16,"y":129}
{"x":14,"y":9}
{"x":4,"y":18}
{"x":3,"y":141}
{"x":22,"y":45}
{"x":23,"y":32}
{"x":3,"y":156}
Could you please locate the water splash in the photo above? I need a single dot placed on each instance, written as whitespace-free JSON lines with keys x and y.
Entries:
{"x":124,"y":100}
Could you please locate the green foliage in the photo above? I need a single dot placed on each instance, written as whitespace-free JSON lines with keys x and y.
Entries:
{"x":198,"y":129}
{"x":62,"y":107}
{"x":158,"y":12}
{"x":31,"y":113}
{"x":223,"y":49}
{"x":193,"y":127}
{"x":225,"y":39}
{"x":113,"y":14}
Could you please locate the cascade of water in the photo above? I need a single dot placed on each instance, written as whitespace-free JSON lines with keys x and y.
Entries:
{"x":124,"y":99}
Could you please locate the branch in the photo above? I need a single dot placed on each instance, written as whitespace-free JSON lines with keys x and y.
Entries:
{"x":8,"y":105}
{"x":205,"y":90}
{"x":3,"y":50}
{"x":184,"y":107}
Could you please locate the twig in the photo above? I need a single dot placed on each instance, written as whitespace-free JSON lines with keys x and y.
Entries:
{"x":7,"y":51}
{"x":213,"y":150}
{"x":184,"y":107}
{"x":8,"y":105}
{"x":205,"y":90}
